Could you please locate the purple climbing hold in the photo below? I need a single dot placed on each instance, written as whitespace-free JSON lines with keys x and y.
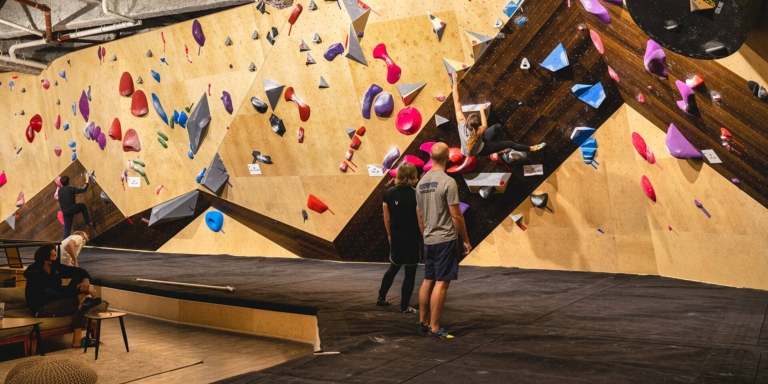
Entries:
{"x":227,"y":99}
{"x":688,"y":103}
{"x":594,"y":7}
{"x":102,"y":140}
{"x":88,"y":130}
{"x":678,"y":146}
{"x":197,"y":33}
{"x":85,"y":108}
{"x":390,"y":158}
{"x":655,"y":59}
{"x":333,"y":51}
{"x":372,"y":91}
{"x":384,"y":105}
{"x":96,"y":132}
{"x":463,"y":207}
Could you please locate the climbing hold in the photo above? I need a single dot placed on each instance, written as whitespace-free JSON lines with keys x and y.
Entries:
{"x":355,"y":51}
{"x":439,"y":120}
{"x":358,"y":12}
{"x":88,"y":93}
{"x":639,"y":144}
{"x":594,"y":7}
{"x":57,"y":122}
{"x":736,"y":181}
{"x":149,"y":53}
{"x":255,"y":35}
{"x":131,"y":142}
{"x":408,"y":121}
{"x":455,"y":155}
{"x":540,"y":200}
{"x":323,"y":83}
{"x":162,"y":142}
{"x":214,"y":220}
{"x":312,"y":6}
{"x":197,"y":33}
{"x":757,"y":90}
{"x":126,"y":84}
{"x":174,"y":209}
{"x":511,"y":7}
{"x":393,"y":70}
{"x":355,"y":143}
{"x":455,"y":67}
{"x":440,"y":97}
{"x":162,"y":135}
{"x":350,"y":132}
{"x":678,"y":146}
{"x":479,"y":43}
{"x":715,"y":96}
{"x":113,"y":58}
{"x":384,"y":105}
{"x":695,"y":81}
{"x":525,"y":64}
{"x":316,"y":39}
{"x":277,"y":125}
{"x":66,"y":126}
{"x":304,"y":110}
{"x":469,"y":164}
{"x":55,"y":83}
{"x":333,"y":51}
{"x":648,"y":188}
{"x":258,"y":105}
{"x":45,"y":83}
{"x":613,"y":74}
{"x":139,"y":80}
{"x":655,"y":59}
{"x":228,"y":41}
{"x":581,"y":134}
{"x":115,"y":130}
{"x":57,"y":102}
{"x":159,"y":109}
{"x":262,"y":7}
{"x":594,"y":95}
{"x":257,"y":156}
{"x":597,"y":41}
{"x":522,"y":20}
{"x":316,"y":205}
{"x":303,"y":47}
{"x":688,"y":103}
{"x":102,"y":140}
{"x":139,"y":104}
{"x":227,"y":100}
{"x":372,"y":91}
{"x":408,"y":92}
{"x":361,"y":130}
{"x":300,"y":134}
{"x":273,"y":90}
{"x":702,"y":5}
{"x":23,"y":90}
{"x":216,"y":177}
{"x":155,"y":75}
{"x":63,"y":75}
{"x":588,"y":151}
{"x":310,"y":59}
{"x":295,"y":13}
{"x":498,"y":24}
{"x":487,"y":191}
{"x":198,"y":124}
{"x":252,"y":67}
{"x":85,"y":108}
{"x":438,"y":26}
{"x":88,"y":130}
{"x":74,"y":156}
{"x":557,"y":59}
{"x":390,"y":158}
{"x":57,"y":151}
{"x":641,"y":98}
{"x":200,"y":175}
{"x":270,"y":38}
{"x":22,"y":111}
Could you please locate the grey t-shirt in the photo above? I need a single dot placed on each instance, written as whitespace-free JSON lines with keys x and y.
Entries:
{"x":464,"y":136}
{"x":435,"y":192}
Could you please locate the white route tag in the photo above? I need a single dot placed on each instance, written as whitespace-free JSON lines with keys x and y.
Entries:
{"x":375,"y":170}
{"x":254,"y":169}
{"x":533,"y":170}
{"x":711,"y":156}
{"x":134,"y":182}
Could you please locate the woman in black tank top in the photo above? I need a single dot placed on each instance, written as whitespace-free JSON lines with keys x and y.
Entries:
{"x":404,"y":235}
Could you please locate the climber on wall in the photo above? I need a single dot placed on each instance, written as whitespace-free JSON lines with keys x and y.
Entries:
{"x":477,"y":139}
{"x":69,"y":207}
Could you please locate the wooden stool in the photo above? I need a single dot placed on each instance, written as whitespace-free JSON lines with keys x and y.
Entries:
{"x":99,"y":316}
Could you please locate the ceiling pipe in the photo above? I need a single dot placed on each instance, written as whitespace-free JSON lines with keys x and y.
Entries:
{"x":48,"y":29}
{"x":21,"y":27}
{"x":34,"y":43}
{"x":26,"y":63}
{"x":99,"y":30}
{"x":107,"y":12}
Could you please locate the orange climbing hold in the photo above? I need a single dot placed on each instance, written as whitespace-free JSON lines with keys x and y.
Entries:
{"x":316,"y":205}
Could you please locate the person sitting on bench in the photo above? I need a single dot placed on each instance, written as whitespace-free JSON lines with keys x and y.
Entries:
{"x":47,"y":297}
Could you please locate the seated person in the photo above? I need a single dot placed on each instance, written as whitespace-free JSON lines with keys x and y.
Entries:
{"x":71,"y":246}
{"x":46,"y":297}
{"x":477,"y":139}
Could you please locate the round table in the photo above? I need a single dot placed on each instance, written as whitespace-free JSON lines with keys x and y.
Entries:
{"x":11,"y":323}
{"x":99,"y":316}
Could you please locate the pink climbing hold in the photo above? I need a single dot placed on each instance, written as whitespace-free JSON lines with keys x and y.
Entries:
{"x":57,"y":122}
{"x":408,"y":121}
{"x":641,"y":98}
{"x":639,"y":144}
{"x":60,"y":216}
{"x":393,"y":70}
{"x":613,"y":74}
{"x":597,"y":41}
{"x":46,"y":83}
{"x":648,"y":188}
{"x":427,"y":147}
{"x":440,"y":97}
{"x":57,"y":151}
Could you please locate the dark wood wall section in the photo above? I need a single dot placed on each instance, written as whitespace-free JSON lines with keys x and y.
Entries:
{"x":744,"y":115}
{"x":38,"y":221}
{"x":533,"y":105}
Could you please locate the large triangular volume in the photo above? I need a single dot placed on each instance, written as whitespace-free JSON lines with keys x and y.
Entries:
{"x":581,"y":134}
{"x":479,"y":43}
{"x":11,"y":220}
{"x":273,"y":89}
{"x":408,"y":92}
{"x":303,"y":47}
{"x":678,"y":146}
{"x":702,"y":5}
{"x":197,"y":125}
{"x":358,"y":15}
{"x":455,"y":67}
{"x":556,"y":60}
{"x":310,"y":59}
{"x":216,"y":176}
{"x":178,"y":208}
{"x":593,"y":95}
{"x":323,"y":83}
{"x":439,"y":120}
{"x":355,"y":52}
{"x":438,"y":26}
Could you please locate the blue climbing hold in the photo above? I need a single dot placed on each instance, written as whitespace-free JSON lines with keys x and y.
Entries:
{"x":581,"y":134}
{"x":200,"y":175}
{"x":74,"y":156}
{"x":556,"y":60}
{"x":214,"y":220}
{"x":66,"y":126}
{"x":511,"y":7}
{"x":176,"y":116}
{"x":63,"y":75}
{"x":72,"y":144}
{"x":593,"y":95}
{"x":522,"y":21}
{"x":183,"y":120}
{"x":155,"y":75}
{"x":191,"y":156}
{"x":159,"y":109}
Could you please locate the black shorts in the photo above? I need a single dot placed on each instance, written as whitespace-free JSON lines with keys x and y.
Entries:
{"x":405,"y":250}
{"x":441,"y":261}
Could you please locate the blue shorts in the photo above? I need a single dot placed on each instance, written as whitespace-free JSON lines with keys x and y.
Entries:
{"x":441,"y":261}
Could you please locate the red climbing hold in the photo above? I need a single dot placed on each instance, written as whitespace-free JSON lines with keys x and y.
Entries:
{"x":116,"y":131}
{"x":469,"y":164}
{"x":316,"y":205}
{"x":300,"y":134}
{"x":304,"y":110}
{"x":355,"y":144}
{"x":361,"y":130}
{"x":408,"y":121}
{"x":126,"y":84}
{"x":455,"y":155}
{"x":131,"y":141}
{"x":57,"y":122}
{"x":46,"y":84}
{"x":648,"y":188}
{"x":639,"y":144}
{"x":139,"y":105}
{"x":613,"y":74}
{"x":393,"y":70}
{"x":36,"y":122}
{"x":294,"y":16}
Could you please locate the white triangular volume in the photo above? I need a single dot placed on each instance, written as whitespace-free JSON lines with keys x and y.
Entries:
{"x":323,"y":83}
{"x":439,"y":120}
{"x":438,"y":26}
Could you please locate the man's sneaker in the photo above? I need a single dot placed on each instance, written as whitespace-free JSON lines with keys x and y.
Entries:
{"x":409,"y":310}
{"x":441,"y":334}
{"x":382,"y":302}
{"x":423,"y":329}
{"x":89,"y":303}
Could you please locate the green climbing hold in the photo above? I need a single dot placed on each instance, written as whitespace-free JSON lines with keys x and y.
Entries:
{"x":139,"y":162}
{"x":189,"y":108}
{"x":162,"y":135}
{"x":141,"y":172}
{"x":162,"y":143}
{"x":172,"y":123}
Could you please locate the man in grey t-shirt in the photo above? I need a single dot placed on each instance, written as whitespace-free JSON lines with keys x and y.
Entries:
{"x":440,"y":221}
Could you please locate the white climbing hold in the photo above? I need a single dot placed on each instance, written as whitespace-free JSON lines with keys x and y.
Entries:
{"x":498,"y":24}
{"x":323,"y":83}
{"x":228,"y":41}
{"x":252,"y":67}
{"x":149,"y":53}
{"x":139,"y":80}
{"x":88,"y":93}
{"x":312,"y":6}
{"x":113,"y":58}
{"x":525,"y":64}
{"x":317,"y":39}
{"x":255,"y":35}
